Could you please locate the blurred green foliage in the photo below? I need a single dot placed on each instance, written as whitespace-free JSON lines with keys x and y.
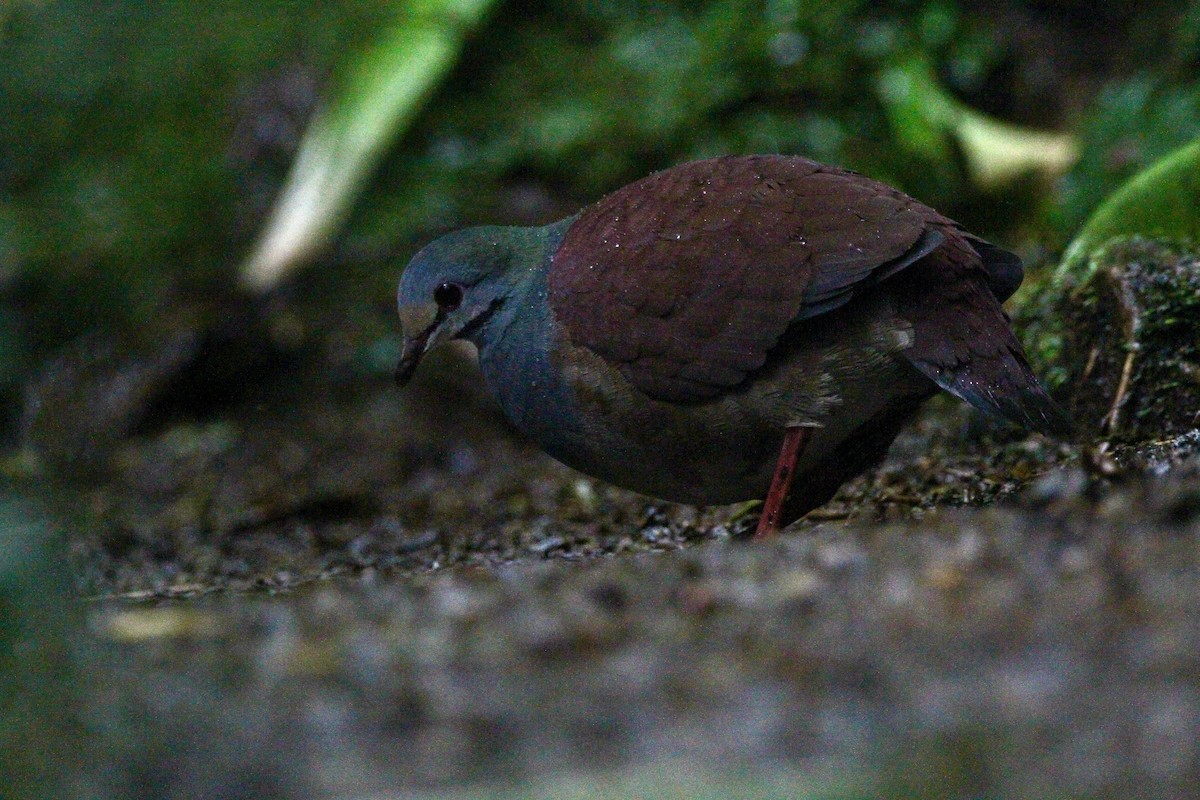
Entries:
{"x":125,"y":166}
{"x":38,"y":733}
{"x":588,"y":96}
{"x":376,"y":95}
{"x":1131,"y":125}
{"x":1161,"y":202}
{"x":143,"y":143}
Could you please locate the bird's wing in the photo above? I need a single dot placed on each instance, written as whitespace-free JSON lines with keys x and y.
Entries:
{"x":686,"y":279}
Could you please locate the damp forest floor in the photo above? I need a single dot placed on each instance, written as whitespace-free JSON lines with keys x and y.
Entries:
{"x":356,"y":592}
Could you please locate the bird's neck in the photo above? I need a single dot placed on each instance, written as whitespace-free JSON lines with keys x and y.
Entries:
{"x":515,"y":346}
{"x":523,"y":297}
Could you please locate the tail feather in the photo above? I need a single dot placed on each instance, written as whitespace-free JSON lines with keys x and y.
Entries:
{"x":1002,"y":385}
{"x":1004,"y":269}
{"x":964,"y":342}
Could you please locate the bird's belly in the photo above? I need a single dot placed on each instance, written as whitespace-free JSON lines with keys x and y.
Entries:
{"x":725,"y":450}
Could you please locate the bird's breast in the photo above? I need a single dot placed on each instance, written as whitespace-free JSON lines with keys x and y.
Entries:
{"x":579,"y":407}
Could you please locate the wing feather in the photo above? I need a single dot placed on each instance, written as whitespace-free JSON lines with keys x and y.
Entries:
{"x":687,"y":278}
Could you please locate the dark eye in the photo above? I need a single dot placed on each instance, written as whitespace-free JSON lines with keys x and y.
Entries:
{"x":448,"y":296}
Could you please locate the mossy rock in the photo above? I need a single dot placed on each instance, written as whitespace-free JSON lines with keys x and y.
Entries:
{"x":1129,"y":355}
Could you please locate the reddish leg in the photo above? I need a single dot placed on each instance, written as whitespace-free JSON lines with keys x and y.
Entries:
{"x":795,"y":438}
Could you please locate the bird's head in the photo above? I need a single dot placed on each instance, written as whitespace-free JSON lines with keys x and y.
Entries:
{"x":456,"y":284}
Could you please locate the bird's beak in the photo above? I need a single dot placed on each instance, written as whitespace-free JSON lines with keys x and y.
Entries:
{"x":424,"y":319}
{"x":414,"y":348}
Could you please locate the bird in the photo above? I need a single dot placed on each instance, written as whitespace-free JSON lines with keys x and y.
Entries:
{"x":729,"y":329}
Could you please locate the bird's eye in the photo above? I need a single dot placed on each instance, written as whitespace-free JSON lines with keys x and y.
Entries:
{"x":448,"y":296}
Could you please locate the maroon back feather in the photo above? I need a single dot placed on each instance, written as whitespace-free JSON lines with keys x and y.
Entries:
{"x":686,"y":278}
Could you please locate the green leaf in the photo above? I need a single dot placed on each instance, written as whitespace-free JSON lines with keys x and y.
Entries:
{"x":1162,"y":201}
{"x":924,"y":116}
{"x":379,"y":95}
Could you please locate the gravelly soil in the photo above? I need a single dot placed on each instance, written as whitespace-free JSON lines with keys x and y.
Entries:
{"x":1046,"y":647}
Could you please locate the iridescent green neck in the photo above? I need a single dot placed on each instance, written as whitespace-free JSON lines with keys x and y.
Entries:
{"x":528,"y":252}
{"x":515,"y":345}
